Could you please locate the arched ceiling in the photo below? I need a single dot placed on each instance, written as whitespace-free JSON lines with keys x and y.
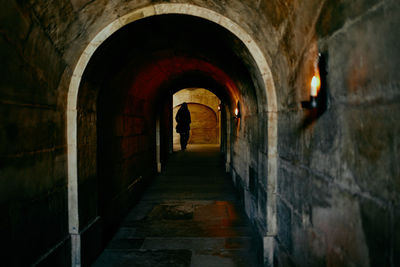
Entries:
{"x":156,"y":56}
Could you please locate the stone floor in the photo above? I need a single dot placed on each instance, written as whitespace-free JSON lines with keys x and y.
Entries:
{"x":189,"y":216}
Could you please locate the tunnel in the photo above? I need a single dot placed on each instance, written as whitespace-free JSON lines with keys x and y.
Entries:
{"x":125,"y":109}
{"x":293,"y":149}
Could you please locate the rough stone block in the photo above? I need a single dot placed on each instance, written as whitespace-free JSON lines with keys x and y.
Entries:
{"x":293,"y":141}
{"x":326,"y":139}
{"x":365,"y":71}
{"x":320,"y":192}
{"x":57,"y":19}
{"x":276,"y":11}
{"x":78,"y":4}
{"x":285,"y":183}
{"x":284,"y":214}
{"x":378,"y":232}
{"x":304,"y":16}
{"x":302,"y":189}
{"x":301,"y":247}
{"x":371,"y":135}
{"x":334,"y":14}
{"x":45,"y":60}
{"x":327,"y":131}
{"x":342,"y":229}
{"x":295,"y":186}
{"x":262,"y":206}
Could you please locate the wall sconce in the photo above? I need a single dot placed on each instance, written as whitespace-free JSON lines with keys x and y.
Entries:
{"x":318,"y":90}
{"x":237,"y":111}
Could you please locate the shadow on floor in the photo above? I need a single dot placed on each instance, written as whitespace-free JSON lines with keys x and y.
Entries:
{"x":189,"y":216}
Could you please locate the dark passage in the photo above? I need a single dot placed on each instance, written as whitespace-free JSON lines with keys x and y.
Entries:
{"x":189,"y":216}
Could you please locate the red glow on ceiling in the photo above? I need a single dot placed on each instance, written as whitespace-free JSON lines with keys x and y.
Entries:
{"x":154,"y":75}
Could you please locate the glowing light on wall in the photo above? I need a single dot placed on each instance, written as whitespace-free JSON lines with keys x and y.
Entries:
{"x":237,"y":111}
{"x":318,"y":90}
{"x":315,"y":85}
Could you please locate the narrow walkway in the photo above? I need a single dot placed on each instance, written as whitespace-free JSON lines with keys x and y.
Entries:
{"x":189,"y":216}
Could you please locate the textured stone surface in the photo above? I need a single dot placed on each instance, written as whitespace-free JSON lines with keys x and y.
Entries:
{"x":378,"y":234}
{"x":344,"y":159}
{"x":342,"y":165}
{"x":285,"y":226}
{"x":334,"y":14}
{"x":195,"y":222}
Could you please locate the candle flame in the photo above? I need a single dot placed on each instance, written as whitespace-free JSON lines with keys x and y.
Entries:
{"x":236,"y":111}
{"x":315,"y":84}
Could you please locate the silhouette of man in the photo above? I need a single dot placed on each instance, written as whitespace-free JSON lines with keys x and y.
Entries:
{"x":183,"y":124}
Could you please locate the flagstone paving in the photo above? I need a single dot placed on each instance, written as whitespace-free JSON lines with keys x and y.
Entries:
{"x":189,"y":216}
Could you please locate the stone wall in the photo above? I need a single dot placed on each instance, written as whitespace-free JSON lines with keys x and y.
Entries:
{"x":338,"y":176}
{"x":42,"y":42}
{"x":33,"y":167}
{"x":116,"y":148}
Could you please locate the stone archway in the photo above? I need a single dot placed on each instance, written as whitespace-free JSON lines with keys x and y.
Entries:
{"x":204,"y":106}
{"x":204,"y":127}
{"x":270,"y":101}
